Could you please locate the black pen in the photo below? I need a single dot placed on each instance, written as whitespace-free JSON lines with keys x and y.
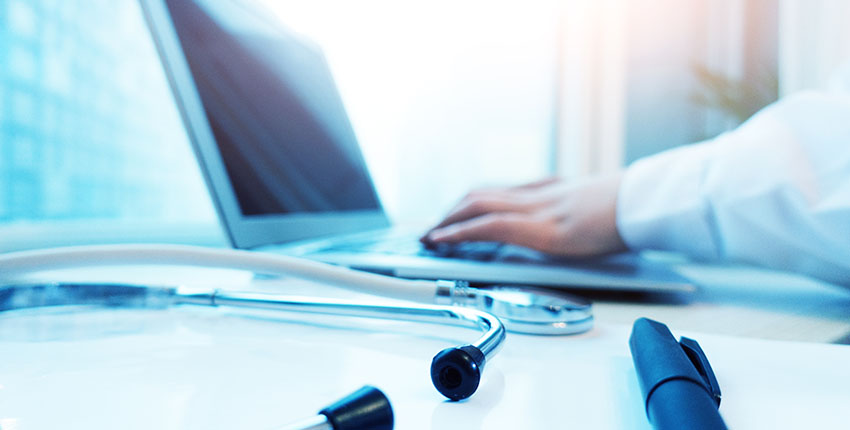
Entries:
{"x":679,"y":388}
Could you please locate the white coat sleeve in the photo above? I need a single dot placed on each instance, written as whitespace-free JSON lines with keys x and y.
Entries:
{"x":774,"y":192}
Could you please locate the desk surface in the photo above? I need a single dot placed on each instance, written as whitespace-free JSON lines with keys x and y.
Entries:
{"x":217,"y":368}
{"x":734,"y":301}
{"x":742,"y":301}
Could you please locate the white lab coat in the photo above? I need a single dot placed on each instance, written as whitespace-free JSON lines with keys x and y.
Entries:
{"x":774,"y":192}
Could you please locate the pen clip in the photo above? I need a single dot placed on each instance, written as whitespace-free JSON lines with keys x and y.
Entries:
{"x":700,"y":362}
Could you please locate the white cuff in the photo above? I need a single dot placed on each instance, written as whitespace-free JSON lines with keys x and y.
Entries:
{"x":661,"y":203}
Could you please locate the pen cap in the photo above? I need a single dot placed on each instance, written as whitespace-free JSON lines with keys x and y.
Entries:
{"x":659,"y":358}
{"x":675,"y":393}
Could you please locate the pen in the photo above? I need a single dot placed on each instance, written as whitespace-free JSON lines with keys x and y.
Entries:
{"x":679,"y":388}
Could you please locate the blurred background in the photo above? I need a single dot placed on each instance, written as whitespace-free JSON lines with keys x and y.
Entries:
{"x":444,"y":96}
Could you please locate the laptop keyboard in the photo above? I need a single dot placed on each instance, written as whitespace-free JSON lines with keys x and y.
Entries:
{"x":479,"y":251}
{"x":407,"y":245}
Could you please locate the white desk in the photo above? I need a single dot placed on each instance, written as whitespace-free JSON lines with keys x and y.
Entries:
{"x":215,"y":368}
{"x":741,"y":301}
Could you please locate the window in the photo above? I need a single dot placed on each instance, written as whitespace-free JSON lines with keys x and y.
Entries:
{"x":88,"y":127}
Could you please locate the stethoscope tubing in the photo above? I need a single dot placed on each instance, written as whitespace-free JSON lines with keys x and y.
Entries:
{"x":488,"y":343}
{"x":532,"y":313}
{"x":14,"y":264}
{"x":455,"y":371}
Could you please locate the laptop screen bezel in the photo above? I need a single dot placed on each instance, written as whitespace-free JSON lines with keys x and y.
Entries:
{"x":243,"y":231}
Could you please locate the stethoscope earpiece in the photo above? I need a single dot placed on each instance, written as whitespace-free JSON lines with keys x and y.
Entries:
{"x":456,"y":372}
{"x":365,"y":409}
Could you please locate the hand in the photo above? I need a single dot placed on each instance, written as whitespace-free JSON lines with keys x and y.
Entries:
{"x":552,"y":215}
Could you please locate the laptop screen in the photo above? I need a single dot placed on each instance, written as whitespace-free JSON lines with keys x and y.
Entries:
{"x":277,"y":117}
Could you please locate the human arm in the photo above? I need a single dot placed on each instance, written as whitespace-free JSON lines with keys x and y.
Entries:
{"x":555,"y":216}
{"x":774,"y":192}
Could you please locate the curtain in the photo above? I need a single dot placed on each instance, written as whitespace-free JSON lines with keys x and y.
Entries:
{"x":814,"y":40}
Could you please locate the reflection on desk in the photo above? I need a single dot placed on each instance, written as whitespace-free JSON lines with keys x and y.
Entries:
{"x":215,"y":368}
{"x":741,"y":301}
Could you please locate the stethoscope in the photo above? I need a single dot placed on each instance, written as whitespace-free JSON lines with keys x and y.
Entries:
{"x":455,"y":371}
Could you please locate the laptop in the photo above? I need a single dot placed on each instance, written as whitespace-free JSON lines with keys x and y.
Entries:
{"x":285,"y":171}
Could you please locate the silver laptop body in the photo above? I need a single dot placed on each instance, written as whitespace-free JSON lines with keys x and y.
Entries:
{"x":286,"y":173}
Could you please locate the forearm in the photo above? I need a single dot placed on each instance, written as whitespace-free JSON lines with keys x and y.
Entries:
{"x":775,"y":192}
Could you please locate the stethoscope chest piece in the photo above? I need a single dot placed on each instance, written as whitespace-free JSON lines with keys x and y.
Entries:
{"x":523,"y":309}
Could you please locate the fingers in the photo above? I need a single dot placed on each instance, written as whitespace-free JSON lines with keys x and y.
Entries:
{"x":539,"y":183}
{"x":551,"y":216}
{"x":518,"y":229}
{"x":475,"y":205}
{"x":522,"y":198}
